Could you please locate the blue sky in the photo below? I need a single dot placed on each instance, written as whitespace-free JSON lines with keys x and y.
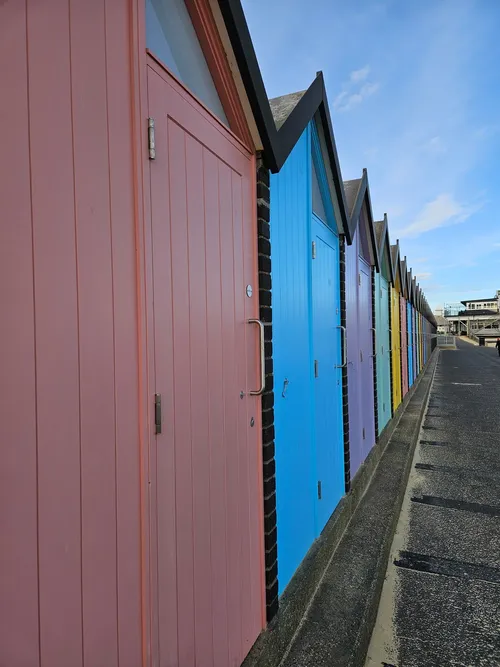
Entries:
{"x":414,"y":93}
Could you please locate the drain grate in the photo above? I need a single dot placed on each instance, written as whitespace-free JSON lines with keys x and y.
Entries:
{"x":462,"y":505}
{"x":447,"y":567}
{"x":435,"y":443}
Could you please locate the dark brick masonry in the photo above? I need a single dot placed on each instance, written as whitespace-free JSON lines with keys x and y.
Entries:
{"x":375,"y":393}
{"x":270,"y":530}
{"x":345,"y":406}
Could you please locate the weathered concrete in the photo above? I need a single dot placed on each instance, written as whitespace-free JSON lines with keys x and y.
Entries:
{"x":336,"y":626}
{"x":441,"y":599}
{"x":344,"y":568}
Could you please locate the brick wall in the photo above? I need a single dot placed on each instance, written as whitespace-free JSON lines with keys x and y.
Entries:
{"x":265,"y":301}
{"x":345,"y":403}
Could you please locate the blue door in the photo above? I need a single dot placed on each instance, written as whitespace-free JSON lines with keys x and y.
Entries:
{"x":383,"y":351}
{"x":327,"y":352}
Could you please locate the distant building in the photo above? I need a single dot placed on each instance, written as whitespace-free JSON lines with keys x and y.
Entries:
{"x":472,"y":316}
{"x":443,"y":326}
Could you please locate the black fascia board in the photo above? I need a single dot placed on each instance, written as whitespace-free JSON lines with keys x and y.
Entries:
{"x":396,"y":264}
{"x":363,"y":196}
{"x":402,"y":268}
{"x":387,"y":242}
{"x":278,"y":144}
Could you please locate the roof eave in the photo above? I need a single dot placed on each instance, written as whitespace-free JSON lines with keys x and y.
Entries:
{"x":278,"y":144}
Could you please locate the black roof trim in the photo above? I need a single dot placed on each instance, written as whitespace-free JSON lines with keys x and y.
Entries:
{"x":278,"y":144}
{"x":363,"y":195}
{"x":402,"y":268}
{"x":385,"y":241}
{"x":396,"y":265}
{"x":409,"y":286}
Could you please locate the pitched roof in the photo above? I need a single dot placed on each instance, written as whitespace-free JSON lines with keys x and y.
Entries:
{"x":396,"y":265}
{"x":384,"y":243}
{"x":357,"y":193}
{"x":295,"y":113}
{"x":351,"y":189}
{"x":404,"y":286}
{"x":379,"y":233}
{"x":282,"y":107}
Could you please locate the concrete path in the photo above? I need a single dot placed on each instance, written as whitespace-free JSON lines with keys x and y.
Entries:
{"x":440,"y":604}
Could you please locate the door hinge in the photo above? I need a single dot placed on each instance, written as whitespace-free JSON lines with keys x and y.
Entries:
{"x":314,"y":249}
{"x":157,"y":413}
{"x":151,"y":139}
{"x":364,"y":434}
{"x":383,"y":407}
{"x":361,"y":355}
{"x":315,"y":368}
{"x":359,"y":278}
{"x":319,"y":489}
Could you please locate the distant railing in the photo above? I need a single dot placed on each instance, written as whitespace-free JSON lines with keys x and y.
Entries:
{"x":445,"y":341}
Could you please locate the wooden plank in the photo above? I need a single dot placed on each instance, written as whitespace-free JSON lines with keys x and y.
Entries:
{"x":215,"y":350}
{"x":56,"y":314}
{"x":19,"y":639}
{"x":183,"y":416}
{"x":125,"y":315}
{"x":228,"y":379}
{"x":199,"y":302}
{"x":96,"y":331}
{"x":163,"y":506}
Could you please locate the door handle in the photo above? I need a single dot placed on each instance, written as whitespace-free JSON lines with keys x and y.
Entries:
{"x":344,"y":347}
{"x":262,"y":359}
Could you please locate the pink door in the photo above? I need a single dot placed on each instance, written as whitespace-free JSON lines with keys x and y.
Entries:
{"x":206,"y":463}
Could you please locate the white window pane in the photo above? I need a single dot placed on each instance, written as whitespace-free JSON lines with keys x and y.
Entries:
{"x":317,"y":198}
{"x":170,"y":35}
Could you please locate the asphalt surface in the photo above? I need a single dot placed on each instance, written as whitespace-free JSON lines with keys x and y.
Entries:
{"x":335,"y":626}
{"x":440,"y":604}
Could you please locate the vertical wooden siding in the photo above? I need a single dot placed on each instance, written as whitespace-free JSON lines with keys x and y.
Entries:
{"x":359,"y":351}
{"x":404,"y":346}
{"x":292,"y":344}
{"x":70,"y":573}
{"x":383,"y":351}
{"x":206,"y":475}
{"x":396,"y":348}
{"x":353,"y":336}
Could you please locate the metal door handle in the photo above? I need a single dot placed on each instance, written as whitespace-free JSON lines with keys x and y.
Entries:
{"x":262,"y":360}
{"x":344,"y":347}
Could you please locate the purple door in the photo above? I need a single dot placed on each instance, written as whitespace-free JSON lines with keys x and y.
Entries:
{"x":359,"y":356}
{"x":353,"y":348}
{"x":367,"y":411}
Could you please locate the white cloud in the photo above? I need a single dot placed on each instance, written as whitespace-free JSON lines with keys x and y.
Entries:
{"x":434,"y":146}
{"x":443,"y":211}
{"x":360,"y":74}
{"x":346,"y":101}
{"x":424,"y":275}
{"x":355,"y":90}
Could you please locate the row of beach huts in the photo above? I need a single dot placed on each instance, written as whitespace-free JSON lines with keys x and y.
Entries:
{"x":206,"y":334}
